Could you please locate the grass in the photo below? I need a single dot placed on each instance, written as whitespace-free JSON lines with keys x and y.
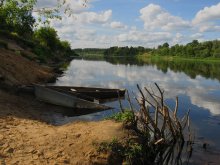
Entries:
{"x":177,"y":58}
{"x":126,"y":116}
{"x":128,"y":151}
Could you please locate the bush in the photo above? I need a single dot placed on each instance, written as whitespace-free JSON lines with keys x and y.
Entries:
{"x":47,"y":37}
{"x":43,"y":53}
{"x":126,"y":116}
{"x":128,"y":151}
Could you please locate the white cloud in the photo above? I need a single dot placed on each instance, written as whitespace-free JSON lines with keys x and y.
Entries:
{"x":117,"y":25}
{"x":81,"y":29}
{"x":84,"y":18}
{"x":74,"y":5}
{"x":205,"y":27}
{"x":155,"y":17}
{"x":46,"y":3}
{"x":207,"y":14}
{"x":178,"y":38}
{"x":196,"y":35}
{"x":86,"y":28}
{"x":205,"y":19}
{"x":150,"y":39}
{"x":92,"y":17}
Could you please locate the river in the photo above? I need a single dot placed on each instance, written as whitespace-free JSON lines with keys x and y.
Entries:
{"x":197,"y":84}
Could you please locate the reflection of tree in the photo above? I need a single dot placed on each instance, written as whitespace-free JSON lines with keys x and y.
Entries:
{"x":191,"y":68}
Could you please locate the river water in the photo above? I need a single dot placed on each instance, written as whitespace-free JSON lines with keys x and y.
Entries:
{"x":197,"y":84}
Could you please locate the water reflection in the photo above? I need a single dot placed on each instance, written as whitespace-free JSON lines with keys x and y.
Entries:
{"x":192,"y":68}
{"x":203,"y":92}
{"x":200,"y":94}
{"x":196,"y":83}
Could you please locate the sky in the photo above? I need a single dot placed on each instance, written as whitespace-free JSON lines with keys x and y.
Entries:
{"x":147,"y":23}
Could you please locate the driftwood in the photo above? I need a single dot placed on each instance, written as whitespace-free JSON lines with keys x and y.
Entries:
{"x":160,"y":127}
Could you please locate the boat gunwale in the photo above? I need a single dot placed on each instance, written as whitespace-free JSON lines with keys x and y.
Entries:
{"x":104,"y":107}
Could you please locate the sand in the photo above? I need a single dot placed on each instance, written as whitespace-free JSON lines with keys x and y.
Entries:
{"x":26,"y":139}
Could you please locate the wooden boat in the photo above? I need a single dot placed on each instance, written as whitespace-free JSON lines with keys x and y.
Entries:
{"x":91,"y":92}
{"x":56,"y":97}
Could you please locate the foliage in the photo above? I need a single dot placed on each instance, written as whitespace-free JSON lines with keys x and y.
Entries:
{"x":19,"y":39}
{"x":114,"y":146}
{"x":192,"y":49}
{"x":18,"y":13}
{"x":16,"y":16}
{"x":90,"y":51}
{"x":126,"y":116}
{"x":49,"y":44}
{"x":42,"y":52}
{"x":125,"y":51}
{"x":47,"y":37}
{"x":130,"y":151}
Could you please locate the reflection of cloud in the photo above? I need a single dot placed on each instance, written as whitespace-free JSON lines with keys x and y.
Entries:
{"x":103,"y":74}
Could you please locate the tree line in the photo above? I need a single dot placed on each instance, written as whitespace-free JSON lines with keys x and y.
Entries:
{"x":89,"y":51}
{"x":125,"y":51}
{"x":192,"y":49}
{"x":17,"y":22}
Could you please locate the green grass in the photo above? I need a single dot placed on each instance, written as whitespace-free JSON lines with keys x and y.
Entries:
{"x":177,"y":58}
{"x":129,"y":150}
{"x":126,"y":116}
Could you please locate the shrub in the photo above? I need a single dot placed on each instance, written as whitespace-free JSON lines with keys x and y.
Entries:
{"x":126,"y":116}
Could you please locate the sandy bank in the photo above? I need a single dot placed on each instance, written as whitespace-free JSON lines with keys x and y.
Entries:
{"x":26,"y":139}
{"x":25,"y":135}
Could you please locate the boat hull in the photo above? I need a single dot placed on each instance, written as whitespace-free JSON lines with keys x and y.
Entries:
{"x":63,"y":99}
{"x":97,"y":93}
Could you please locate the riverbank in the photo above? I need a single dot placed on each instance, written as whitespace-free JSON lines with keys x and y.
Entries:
{"x":26,"y":137}
{"x":145,"y":57}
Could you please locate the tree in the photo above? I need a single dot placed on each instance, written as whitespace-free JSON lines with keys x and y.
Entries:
{"x":165,"y":45}
{"x":47,"y":36}
{"x":65,"y":45}
{"x":16,"y":16}
{"x":195,"y":43}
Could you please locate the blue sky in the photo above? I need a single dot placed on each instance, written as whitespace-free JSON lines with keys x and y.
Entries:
{"x":145,"y":23}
